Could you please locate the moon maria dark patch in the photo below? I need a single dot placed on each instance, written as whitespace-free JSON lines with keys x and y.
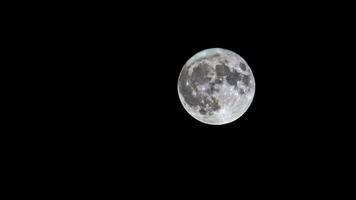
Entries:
{"x":202,"y":111}
{"x":200,"y":74}
{"x":187,"y":93}
{"x":207,"y":105}
{"x":218,"y":81}
{"x":233,"y":77}
{"x":241,"y":91}
{"x":187,"y":90}
{"x":243,"y":66}
{"x":246,"y":79}
{"x":222,"y":70}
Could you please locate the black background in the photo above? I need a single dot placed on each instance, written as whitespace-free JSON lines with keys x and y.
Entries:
{"x":122,"y":71}
{"x":111,"y":101}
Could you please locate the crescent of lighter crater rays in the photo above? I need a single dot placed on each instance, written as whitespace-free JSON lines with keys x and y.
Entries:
{"x":216,"y":86}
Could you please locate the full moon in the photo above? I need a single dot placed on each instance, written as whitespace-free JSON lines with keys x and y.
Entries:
{"x":216,"y":86}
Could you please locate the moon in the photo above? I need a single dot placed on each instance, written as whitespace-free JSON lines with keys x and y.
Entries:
{"x":216,"y":86}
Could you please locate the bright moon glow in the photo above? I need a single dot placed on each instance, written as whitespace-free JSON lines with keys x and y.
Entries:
{"x":216,"y":86}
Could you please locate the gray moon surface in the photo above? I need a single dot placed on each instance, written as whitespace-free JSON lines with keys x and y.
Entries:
{"x":216,"y":86}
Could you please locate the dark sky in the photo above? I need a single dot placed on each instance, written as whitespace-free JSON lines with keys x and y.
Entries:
{"x":129,"y":67}
{"x":105,"y":103}
{"x":128,"y":78}
{"x":121,"y":72}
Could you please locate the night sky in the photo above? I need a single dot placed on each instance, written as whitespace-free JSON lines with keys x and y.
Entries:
{"x":119,"y":73}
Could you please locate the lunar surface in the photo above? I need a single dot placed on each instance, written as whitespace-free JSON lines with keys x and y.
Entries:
{"x":216,"y":86}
